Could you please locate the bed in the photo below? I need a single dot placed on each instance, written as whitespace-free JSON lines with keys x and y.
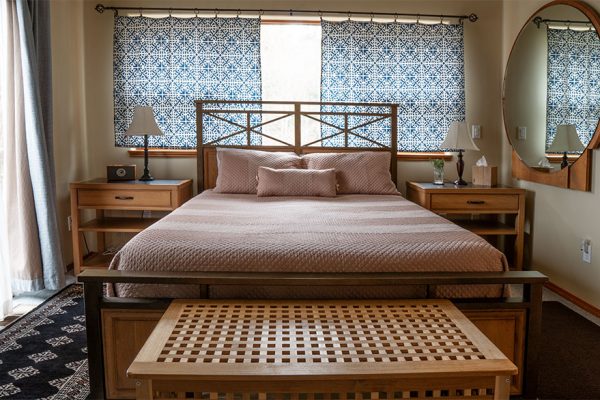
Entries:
{"x":217,"y":232}
{"x":349,"y":246}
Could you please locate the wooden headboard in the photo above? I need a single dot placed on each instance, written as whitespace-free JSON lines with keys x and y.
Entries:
{"x":221,"y":109}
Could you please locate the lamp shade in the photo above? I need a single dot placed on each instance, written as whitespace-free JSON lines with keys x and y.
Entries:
{"x":566,"y":140}
{"x":143,"y":123}
{"x":458,"y":138}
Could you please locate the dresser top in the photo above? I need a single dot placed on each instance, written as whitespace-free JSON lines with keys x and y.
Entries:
{"x":103,"y":183}
{"x":469,"y":188}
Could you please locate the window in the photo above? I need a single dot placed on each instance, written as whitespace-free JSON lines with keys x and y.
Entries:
{"x":167,"y":63}
{"x":164,"y":63}
{"x":291,"y":71}
{"x":573,"y":95}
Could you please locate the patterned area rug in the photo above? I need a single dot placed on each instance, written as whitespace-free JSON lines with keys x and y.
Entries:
{"x":43,"y":355}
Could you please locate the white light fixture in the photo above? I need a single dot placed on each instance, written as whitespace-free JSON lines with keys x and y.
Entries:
{"x":458,"y":139}
{"x":566,"y":140}
{"x":144,"y":124}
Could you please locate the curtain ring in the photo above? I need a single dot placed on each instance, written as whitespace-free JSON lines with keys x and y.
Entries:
{"x":371,"y":17}
{"x":441,"y":19}
{"x":396,"y":18}
{"x":349,"y":16}
{"x":196,"y":12}
{"x":261,"y":12}
{"x":141,"y":13}
{"x":239,"y":12}
{"x":321,"y":15}
{"x":216,"y":12}
{"x":170,"y":11}
{"x":291,"y":12}
{"x":418,"y":19}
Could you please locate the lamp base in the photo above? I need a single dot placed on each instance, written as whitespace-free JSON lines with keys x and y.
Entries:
{"x":460,"y":167}
{"x":146,"y":177}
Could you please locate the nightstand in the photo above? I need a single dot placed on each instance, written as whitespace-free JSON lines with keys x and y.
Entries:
{"x":492,"y":211}
{"x":101,"y":195}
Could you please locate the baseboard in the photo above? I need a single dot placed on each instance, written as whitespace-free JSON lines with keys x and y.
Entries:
{"x":584,"y":305}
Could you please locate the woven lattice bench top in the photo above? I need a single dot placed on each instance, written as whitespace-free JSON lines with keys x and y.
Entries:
{"x":238,"y":339}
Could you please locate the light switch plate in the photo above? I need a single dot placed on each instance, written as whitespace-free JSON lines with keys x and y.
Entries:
{"x":586,"y":251}
{"x":522,"y":133}
{"x":476,"y":131}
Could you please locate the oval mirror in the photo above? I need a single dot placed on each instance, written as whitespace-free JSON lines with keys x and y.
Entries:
{"x":552,"y":88}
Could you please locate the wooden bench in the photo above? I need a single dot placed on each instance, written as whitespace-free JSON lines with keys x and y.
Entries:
{"x":417,"y":349}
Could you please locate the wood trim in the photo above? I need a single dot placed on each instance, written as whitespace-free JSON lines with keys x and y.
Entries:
{"x":189,"y":153}
{"x":163,"y":153}
{"x":578,"y":175}
{"x":579,"y":302}
{"x":428,"y":156}
{"x":557,"y":158}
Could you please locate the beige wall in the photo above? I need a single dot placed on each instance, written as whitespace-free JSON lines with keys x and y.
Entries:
{"x":559,"y":218}
{"x":70,"y":138}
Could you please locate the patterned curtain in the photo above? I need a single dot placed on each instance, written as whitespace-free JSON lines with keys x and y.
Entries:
{"x":168,"y":63}
{"x":573,"y":82}
{"x":418,"y":66}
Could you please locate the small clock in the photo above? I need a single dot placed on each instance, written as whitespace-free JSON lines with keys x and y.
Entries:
{"x":120,"y":172}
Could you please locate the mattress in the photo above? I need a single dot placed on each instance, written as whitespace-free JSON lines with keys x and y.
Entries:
{"x":348,"y":233}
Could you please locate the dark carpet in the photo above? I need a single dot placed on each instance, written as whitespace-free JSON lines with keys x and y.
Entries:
{"x":570,"y":359}
{"x":43,"y":354}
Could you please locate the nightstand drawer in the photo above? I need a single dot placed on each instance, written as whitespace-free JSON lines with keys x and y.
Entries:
{"x":470,"y":202}
{"x":124,"y":198}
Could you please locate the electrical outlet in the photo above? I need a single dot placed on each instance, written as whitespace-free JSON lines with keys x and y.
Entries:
{"x":522,"y":133}
{"x":476,"y":131}
{"x":586,"y":251}
{"x":69,"y":223}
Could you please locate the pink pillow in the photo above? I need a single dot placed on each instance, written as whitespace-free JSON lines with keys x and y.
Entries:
{"x":296,"y":182}
{"x":237,"y":168}
{"x":366,"y":172}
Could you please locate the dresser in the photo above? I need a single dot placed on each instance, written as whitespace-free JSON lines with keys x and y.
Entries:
{"x":105,"y":197}
{"x":486,"y":211}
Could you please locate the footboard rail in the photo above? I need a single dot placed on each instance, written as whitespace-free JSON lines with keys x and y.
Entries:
{"x":93,"y":281}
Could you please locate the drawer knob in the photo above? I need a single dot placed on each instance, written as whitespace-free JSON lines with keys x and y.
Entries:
{"x":475,"y":202}
{"x":124,"y":197}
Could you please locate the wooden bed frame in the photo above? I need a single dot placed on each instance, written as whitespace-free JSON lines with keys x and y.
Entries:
{"x":206,"y":152}
{"x":118,"y":327}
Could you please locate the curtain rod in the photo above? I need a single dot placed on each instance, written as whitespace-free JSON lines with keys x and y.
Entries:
{"x":100,"y":8}
{"x":539,"y":20}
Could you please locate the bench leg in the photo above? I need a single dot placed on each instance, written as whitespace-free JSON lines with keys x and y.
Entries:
{"x":502,"y":387}
{"x":143,"y":389}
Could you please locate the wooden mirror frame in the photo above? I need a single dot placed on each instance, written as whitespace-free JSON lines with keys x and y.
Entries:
{"x":578,"y":175}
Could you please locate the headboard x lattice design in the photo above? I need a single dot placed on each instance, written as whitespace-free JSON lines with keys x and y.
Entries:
{"x":350,"y":121}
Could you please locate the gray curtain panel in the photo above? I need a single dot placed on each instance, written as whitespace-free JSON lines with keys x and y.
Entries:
{"x":31,"y":114}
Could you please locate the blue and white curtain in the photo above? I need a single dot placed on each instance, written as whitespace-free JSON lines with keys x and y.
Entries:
{"x":168,"y":63}
{"x":418,"y":66}
{"x":573,"y":82}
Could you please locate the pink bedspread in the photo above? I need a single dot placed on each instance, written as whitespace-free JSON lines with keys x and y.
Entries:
{"x":348,"y":233}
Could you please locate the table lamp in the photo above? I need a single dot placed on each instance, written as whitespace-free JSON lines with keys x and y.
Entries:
{"x":144,"y":124}
{"x":565,"y":140}
{"x":458,"y":139}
